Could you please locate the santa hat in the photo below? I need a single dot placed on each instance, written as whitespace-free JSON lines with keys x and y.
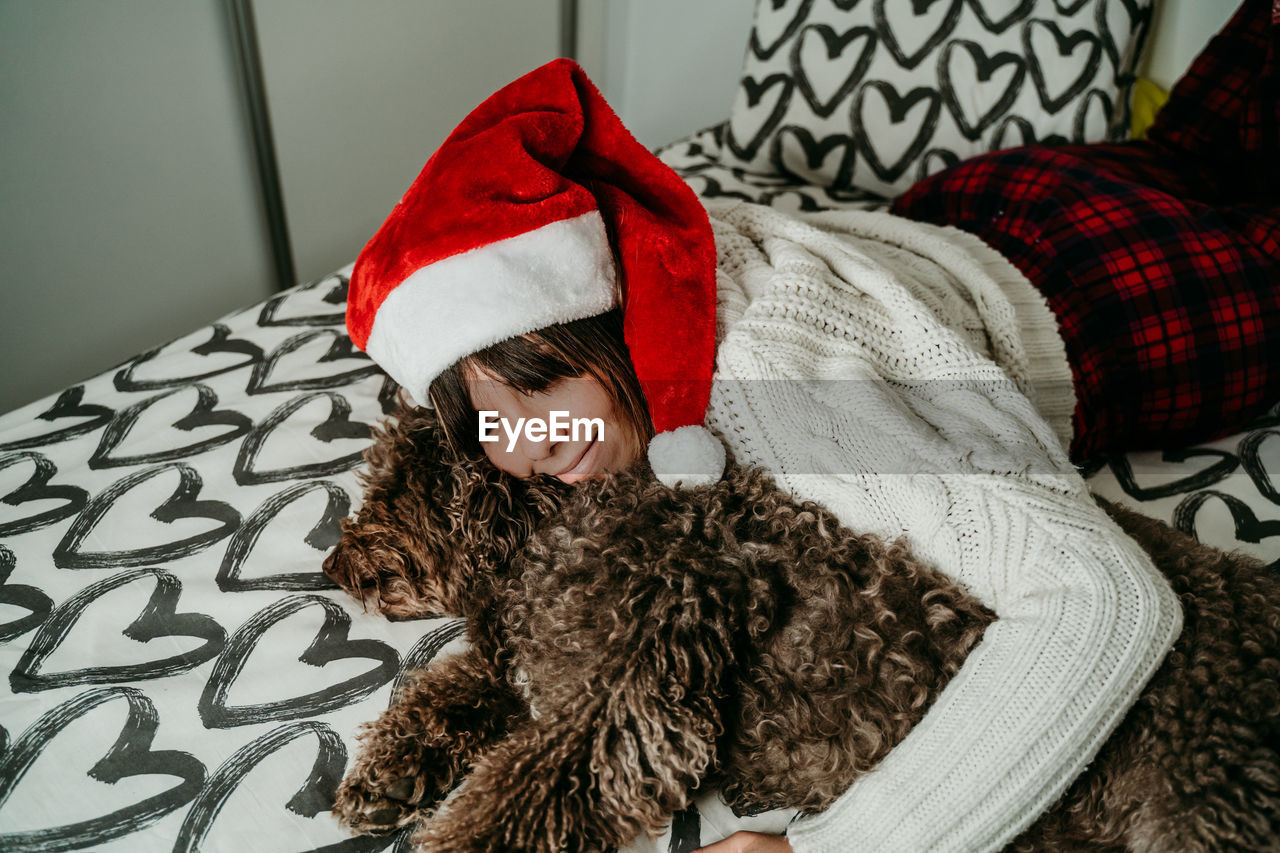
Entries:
{"x":514,"y":224}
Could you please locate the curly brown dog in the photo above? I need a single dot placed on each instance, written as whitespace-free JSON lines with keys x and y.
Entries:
{"x":631,"y":644}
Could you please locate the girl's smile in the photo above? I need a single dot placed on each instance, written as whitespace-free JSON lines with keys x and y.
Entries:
{"x":590,"y":454}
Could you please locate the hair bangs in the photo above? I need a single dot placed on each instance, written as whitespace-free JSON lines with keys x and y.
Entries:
{"x":532,"y":363}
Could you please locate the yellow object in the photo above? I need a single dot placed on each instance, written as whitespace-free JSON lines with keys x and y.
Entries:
{"x":1148,"y":98}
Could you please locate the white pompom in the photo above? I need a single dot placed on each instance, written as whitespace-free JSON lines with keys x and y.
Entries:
{"x":688,"y":456}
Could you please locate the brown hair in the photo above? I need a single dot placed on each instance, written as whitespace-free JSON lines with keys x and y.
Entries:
{"x":532,"y":363}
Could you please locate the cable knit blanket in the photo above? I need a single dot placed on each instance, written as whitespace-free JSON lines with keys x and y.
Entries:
{"x":911,"y":380}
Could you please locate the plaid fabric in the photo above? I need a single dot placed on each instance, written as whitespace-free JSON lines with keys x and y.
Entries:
{"x":1160,"y":258}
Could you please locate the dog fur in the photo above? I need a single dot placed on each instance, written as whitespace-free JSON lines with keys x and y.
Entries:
{"x":632,"y":644}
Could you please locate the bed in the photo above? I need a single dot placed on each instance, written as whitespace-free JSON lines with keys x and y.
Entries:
{"x":182,"y":676}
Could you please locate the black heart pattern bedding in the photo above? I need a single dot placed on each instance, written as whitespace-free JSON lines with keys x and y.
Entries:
{"x":876,"y":94}
{"x":179,"y":674}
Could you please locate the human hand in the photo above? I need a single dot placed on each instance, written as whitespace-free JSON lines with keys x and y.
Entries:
{"x":749,"y":842}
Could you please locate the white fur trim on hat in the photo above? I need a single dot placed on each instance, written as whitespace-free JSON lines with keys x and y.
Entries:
{"x":688,"y":456}
{"x":454,"y":307}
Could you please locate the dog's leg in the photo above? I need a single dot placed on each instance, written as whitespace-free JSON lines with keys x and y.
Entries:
{"x":627,"y":752}
{"x":581,"y":783}
{"x":421,"y":746}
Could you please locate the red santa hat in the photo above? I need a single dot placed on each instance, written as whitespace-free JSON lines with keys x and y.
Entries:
{"x":514,"y":224}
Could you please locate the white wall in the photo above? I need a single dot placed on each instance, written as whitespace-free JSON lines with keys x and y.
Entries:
{"x":669,"y":67}
{"x":1179,"y":31}
{"x":361,"y":94}
{"x":129,"y":215}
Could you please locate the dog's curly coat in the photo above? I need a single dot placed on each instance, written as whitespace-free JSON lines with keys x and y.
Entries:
{"x":728,"y":635}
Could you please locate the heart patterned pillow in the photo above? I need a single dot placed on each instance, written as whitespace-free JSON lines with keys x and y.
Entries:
{"x":877,"y":94}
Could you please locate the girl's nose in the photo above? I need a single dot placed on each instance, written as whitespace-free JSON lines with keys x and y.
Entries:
{"x":536,"y":451}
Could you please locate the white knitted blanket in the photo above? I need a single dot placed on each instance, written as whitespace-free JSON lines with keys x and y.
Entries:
{"x":886,"y":370}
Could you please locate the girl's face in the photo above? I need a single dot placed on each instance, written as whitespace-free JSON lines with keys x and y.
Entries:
{"x":604,"y":441}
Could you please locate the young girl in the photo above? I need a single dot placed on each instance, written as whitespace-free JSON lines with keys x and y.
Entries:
{"x":544,"y":266}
